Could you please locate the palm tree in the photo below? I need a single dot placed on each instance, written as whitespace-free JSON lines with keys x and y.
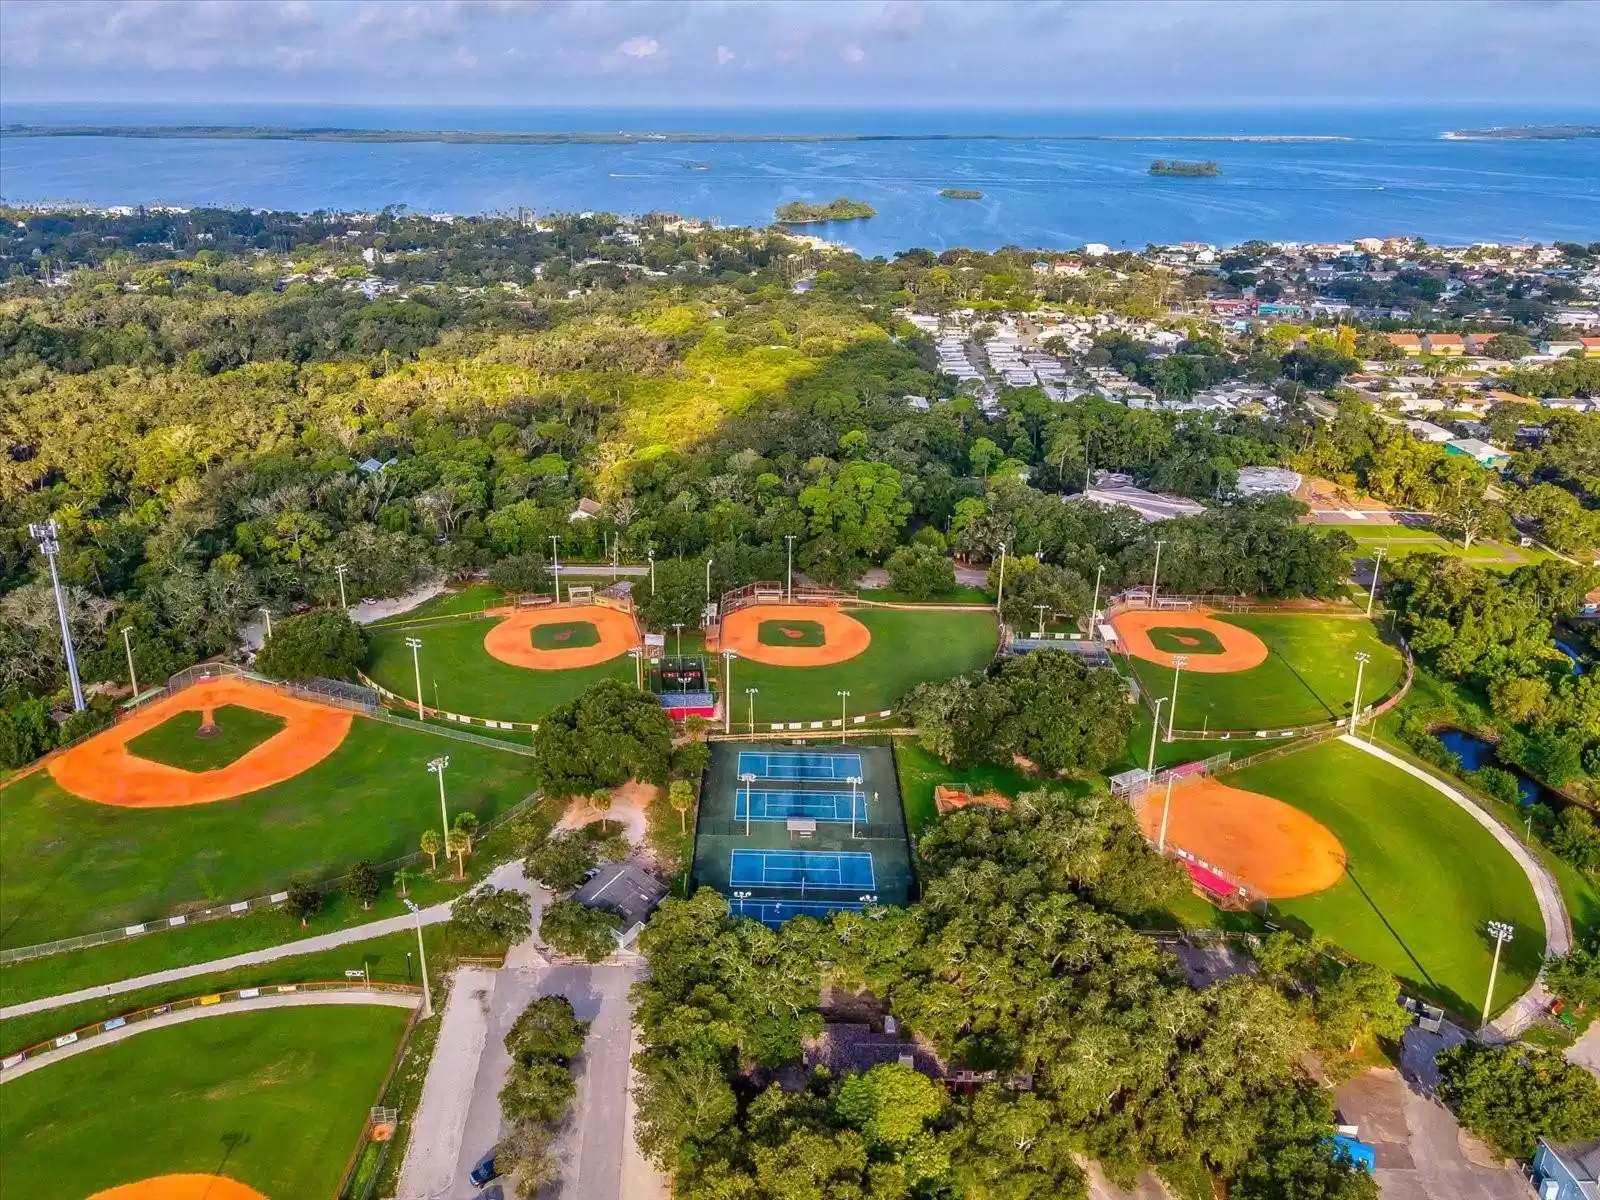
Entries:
{"x":600,"y":801}
{"x":431,"y":845}
{"x":467,"y":822}
{"x":458,"y":843}
{"x":401,"y":878}
{"x":681,"y":797}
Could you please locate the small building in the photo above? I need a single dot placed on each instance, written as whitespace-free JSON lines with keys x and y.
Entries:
{"x":1567,"y":1170}
{"x":1268,"y":481}
{"x":371,"y":466}
{"x":1408,"y":344}
{"x":587,"y":510}
{"x":1561,"y":349}
{"x":628,"y":892}
{"x":1499,"y":396}
{"x":1119,"y":491}
{"x":1591,"y":346}
{"x":1429,"y":432}
{"x":1447,"y":344}
{"x":1480,"y":452}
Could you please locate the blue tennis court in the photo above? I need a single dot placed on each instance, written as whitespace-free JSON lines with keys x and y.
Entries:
{"x":850,"y":871}
{"x":773,"y":913}
{"x":780,"y":806}
{"x":767,"y":764}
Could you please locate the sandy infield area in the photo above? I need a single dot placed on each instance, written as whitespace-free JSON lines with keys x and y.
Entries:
{"x":844,"y":637}
{"x":511,"y":641}
{"x":1241,"y":649}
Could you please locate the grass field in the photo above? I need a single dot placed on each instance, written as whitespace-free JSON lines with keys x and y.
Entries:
{"x":1309,"y":675}
{"x":177,"y":741}
{"x":907,"y":648}
{"x":1400,"y":540}
{"x":1424,"y":878}
{"x":274,"y":1099}
{"x":70,"y":866}
{"x":458,"y":675}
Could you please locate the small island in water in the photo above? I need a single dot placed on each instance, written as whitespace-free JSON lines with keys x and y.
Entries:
{"x":1523,"y":133}
{"x":1171,"y":166}
{"x":961,"y":194}
{"x":798,"y":212}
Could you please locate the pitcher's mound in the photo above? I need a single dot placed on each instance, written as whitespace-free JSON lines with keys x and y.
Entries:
{"x":181,"y":1187}
{"x":1208,"y":645}
{"x":1270,"y":845}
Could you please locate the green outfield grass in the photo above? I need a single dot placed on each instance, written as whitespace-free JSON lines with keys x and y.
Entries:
{"x":1424,"y":877}
{"x":275,"y":1099}
{"x":568,"y":635}
{"x":458,"y":675}
{"x":790,"y":633}
{"x":177,"y":741}
{"x":70,"y":866}
{"x":1400,"y":540}
{"x":908,"y":646}
{"x":1309,"y":675}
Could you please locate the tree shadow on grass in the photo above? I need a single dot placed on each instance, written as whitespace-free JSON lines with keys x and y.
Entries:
{"x":231,"y":1141}
{"x":1310,"y":691}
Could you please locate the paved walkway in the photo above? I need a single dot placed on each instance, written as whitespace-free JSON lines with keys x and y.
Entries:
{"x":199,"y":1012}
{"x":1552,"y":908}
{"x":507,"y":875}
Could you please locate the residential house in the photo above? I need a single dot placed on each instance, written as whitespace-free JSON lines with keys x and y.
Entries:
{"x":1567,"y":1170}
{"x":1561,"y":349}
{"x":587,"y":510}
{"x":1591,"y":346}
{"x":1429,"y":432}
{"x":1480,"y":452}
{"x":1502,"y":397}
{"x":1408,"y":344}
{"x":1444,"y":344}
{"x":1478,"y":343}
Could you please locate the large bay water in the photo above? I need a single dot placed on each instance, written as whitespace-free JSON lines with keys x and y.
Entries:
{"x":1394,"y":176}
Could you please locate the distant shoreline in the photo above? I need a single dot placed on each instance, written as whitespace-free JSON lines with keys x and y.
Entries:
{"x":268,"y":133}
{"x":1522,"y":133}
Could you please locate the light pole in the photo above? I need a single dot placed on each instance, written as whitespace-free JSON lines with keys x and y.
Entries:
{"x":1362,"y":658}
{"x":1040,"y":609}
{"x":844,"y":700}
{"x":437,"y":766}
{"x":678,"y":628}
{"x":1000,"y":592}
{"x":416,"y":669}
{"x":1179,"y":661}
{"x":727,"y":690}
{"x":555,"y":564}
{"x":1501,"y":932}
{"x":747,"y":779}
{"x":1166,"y":811}
{"x":422,"y":958}
{"x":788,"y":586}
{"x":133,"y":680}
{"x":1155,"y":576}
{"x":1150,"y":767}
{"x":651,"y":555}
{"x":709,"y":561}
{"x":1094,"y":608}
{"x":48,"y":537}
{"x":741,"y":897}
{"x":638,"y":666}
{"x":1377,"y":565}
{"x":751,"y":692}
{"x":339,"y":570}
{"x":855,"y":782}
{"x":267,"y":613}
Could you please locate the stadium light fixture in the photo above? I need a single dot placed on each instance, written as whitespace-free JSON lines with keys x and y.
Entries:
{"x":267,"y":613}
{"x":1155,"y":728}
{"x":844,"y":703}
{"x":1000,"y":592}
{"x":1501,"y":932}
{"x":747,"y":779}
{"x":437,"y":766}
{"x":789,"y":577}
{"x":1362,"y":659}
{"x":133,"y":679}
{"x":339,"y":569}
{"x":422,"y":958}
{"x":1377,"y":565}
{"x":49,"y":539}
{"x":1179,"y":661}
{"x":416,"y":669}
{"x":1155,"y":576}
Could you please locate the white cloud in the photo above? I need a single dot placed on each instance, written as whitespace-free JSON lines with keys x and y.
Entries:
{"x":639,"y":47}
{"x":725,"y":56}
{"x":854,"y":55}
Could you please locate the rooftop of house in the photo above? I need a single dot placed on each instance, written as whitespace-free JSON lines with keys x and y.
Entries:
{"x":623,"y":889}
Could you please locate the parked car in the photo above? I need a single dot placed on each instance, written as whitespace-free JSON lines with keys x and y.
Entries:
{"x":483,"y":1173}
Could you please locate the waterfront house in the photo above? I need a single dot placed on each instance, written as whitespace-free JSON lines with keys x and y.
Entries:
{"x":1567,"y":1170}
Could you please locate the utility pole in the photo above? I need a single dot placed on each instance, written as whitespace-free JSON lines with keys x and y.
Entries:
{"x":752,"y":693}
{"x":1166,"y":811}
{"x":339,"y":570}
{"x":437,"y":766}
{"x":1362,"y":658}
{"x":1501,"y":932}
{"x":789,"y":577}
{"x":416,"y":667}
{"x":1179,"y":661}
{"x":133,"y":680}
{"x":1000,"y":592}
{"x":422,"y":958}
{"x":1377,"y":565}
{"x":1150,"y":766}
{"x":1155,"y":575}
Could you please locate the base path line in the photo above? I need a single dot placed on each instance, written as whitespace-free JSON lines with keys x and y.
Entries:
{"x":1552,"y":908}
{"x":507,"y":875}
{"x":298,"y":1000}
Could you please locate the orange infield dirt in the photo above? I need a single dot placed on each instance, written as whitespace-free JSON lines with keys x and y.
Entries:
{"x":843,"y":636}
{"x":1272,"y":846}
{"x":103,"y":770}
{"x":1241,"y":649}
{"x":511,"y":641}
{"x":181,"y":1187}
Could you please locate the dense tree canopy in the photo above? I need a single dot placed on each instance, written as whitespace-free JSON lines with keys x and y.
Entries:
{"x":607,"y":736}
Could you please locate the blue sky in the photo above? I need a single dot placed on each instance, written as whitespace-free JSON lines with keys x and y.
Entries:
{"x":836,"y":53}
